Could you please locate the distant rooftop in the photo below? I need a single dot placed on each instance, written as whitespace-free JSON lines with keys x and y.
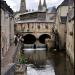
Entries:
{"x":32,"y":12}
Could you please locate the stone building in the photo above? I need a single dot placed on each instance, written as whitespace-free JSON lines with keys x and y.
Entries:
{"x":70,"y":31}
{"x":7,"y":27}
{"x":61,"y":20}
{"x":65,"y":27}
{"x":38,"y":24}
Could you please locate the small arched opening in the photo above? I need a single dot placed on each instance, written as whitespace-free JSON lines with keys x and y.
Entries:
{"x":29,"y":39}
{"x":43,"y":37}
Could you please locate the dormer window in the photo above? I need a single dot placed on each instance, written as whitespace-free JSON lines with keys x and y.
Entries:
{"x":63,"y":19}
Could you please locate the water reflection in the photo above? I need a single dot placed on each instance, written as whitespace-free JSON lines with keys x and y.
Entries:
{"x":49,"y":70}
{"x":62,"y":66}
{"x":46,"y":62}
{"x":36,"y":56}
{"x":59,"y":60}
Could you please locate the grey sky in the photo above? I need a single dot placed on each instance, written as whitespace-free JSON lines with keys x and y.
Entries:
{"x":32,"y":4}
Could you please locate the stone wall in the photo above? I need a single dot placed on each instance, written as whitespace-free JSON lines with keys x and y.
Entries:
{"x":70,"y":34}
{"x":60,"y":26}
{"x":21,"y":69}
{"x":9,"y":69}
{"x":34,"y":27}
{"x":7,"y":27}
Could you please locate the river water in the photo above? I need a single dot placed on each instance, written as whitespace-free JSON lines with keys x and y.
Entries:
{"x":47,"y":70}
{"x":54,"y":63}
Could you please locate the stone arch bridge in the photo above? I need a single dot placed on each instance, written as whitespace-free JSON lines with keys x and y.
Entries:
{"x":36,"y":32}
{"x":39,"y":37}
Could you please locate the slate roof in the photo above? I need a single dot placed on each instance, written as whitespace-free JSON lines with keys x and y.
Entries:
{"x":65,"y":3}
{"x":4,"y":6}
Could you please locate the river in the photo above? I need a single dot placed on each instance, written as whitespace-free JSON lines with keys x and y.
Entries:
{"x":55,"y":63}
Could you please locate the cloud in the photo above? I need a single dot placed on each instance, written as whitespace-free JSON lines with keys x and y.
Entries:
{"x":31,"y":4}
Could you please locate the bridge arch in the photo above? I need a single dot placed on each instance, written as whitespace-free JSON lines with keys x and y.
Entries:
{"x":29,"y":39}
{"x":43,"y":37}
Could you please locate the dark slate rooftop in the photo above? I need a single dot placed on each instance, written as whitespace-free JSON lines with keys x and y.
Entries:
{"x":4,"y":6}
{"x":65,"y":3}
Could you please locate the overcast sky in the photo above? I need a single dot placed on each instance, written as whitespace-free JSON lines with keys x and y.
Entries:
{"x":32,"y":4}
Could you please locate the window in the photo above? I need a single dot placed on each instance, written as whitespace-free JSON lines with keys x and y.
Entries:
{"x":63,"y":19}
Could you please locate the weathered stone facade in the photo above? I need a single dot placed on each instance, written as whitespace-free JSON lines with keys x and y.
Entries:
{"x":61,"y":19}
{"x":36,"y":23}
{"x":7,"y":27}
{"x":70,"y":31}
{"x":65,"y":27}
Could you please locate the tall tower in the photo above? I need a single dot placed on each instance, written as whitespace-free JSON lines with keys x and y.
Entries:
{"x":23,"y":6}
{"x":40,"y":5}
{"x":44,"y":5}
